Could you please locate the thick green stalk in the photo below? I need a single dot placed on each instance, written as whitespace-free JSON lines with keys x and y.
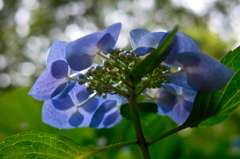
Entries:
{"x":143,"y":146}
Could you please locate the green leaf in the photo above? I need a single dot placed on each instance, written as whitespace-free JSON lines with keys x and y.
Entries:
{"x":144,"y":108}
{"x":153,"y":60}
{"x":41,"y":145}
{"x":212,"y":108}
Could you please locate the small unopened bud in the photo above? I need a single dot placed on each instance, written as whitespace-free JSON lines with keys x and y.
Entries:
{"x":127,"y":51}
{"x":129,"y":56}
{"x":110,"y":51}
{"x":104,"y":69}
{"x":80,"y":76}
{"x":105,"y":63}
{"x":98,"y":67}
{"x":110,"y":56}
{"x":94,"y":71}
{"x":104,"y":96}
{"x":122,"y":55}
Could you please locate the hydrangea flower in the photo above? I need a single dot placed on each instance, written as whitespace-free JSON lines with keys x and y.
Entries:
{"x":144,"y":41}
{"x":199,"y":71}
{"x":66,"y":58}
{"x":80,"y":109}
{"x":53,"y":81}
{"x":81,"y":52}
{"x":179,"y":107}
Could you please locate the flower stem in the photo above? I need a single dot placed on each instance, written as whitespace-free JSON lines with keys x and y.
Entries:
{"x":105,"y":57}
{"x":162,"y":136}
{"x":107,"y":148}
{"x":138,"y":128}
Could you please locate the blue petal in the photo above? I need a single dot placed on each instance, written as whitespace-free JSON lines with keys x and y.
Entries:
{"x":181,"y":43}
{"x":56,"y":117}
{"x":165,"y":100}
{"x":47,"y":86}
{"x":63,"y":103}
{"x":114,"y":30}
{"x":180,"y":80}
{"x":112,"y":119}
{"x":81,"y":53}
{"x":83,"y":93}
{"x":79,"y":93}
{"x":141,"y":51}
{"x":165,"y":105}
{"x":136,"y":35}
{"x":204,"y":73}
{"x":99,"y":114}
{"x":151,"y":39}
{"x":64,"y":92}
{"x":91,"y":106}
{"x":98,"y":117}
{"x":57,"y":52}
{"x":189,"y":94}
{"x":59,"y":69}
{"x":105,"y":42}
{"x":76,"y":119}
{"x":181,"y":110}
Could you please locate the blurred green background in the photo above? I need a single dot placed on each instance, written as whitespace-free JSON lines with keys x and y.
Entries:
{"x":28,"y":28}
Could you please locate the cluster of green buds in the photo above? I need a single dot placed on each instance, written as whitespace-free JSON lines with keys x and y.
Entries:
{"x":111,"y":75}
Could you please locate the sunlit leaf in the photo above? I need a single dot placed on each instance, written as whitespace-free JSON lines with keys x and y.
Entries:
{"x":41,"y":145}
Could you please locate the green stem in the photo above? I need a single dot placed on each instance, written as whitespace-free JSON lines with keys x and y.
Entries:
{"x":82,"y":80}
{"x":105,"y":57}
{"x":162,"y":136}
{"x":138,"y":128}
{"x":170,"y":74}
{"x":107,"y":148}
{"x":115,"y":89}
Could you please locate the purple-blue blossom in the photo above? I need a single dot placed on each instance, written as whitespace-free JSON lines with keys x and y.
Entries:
{"x":53,"y":81}
{"x":65,"y":59}
{"x":176,"y":104}
{"x":81,"y":52}
{"x":81,"y":109}
{"x":144,"y":41}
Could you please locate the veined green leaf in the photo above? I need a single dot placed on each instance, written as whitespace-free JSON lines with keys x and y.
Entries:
{"x":153,"y":60}
{"x":212,"y":108}
{"x":41,"y":145}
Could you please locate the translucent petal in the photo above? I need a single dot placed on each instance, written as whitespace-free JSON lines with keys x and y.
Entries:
{"x":59,"y":69}
{"x":81,"y":52}
{"x":181,"y":43}
{"x":140,"y":51}
{"x":57,"y":52}
{"x":136,"y":35}
{"x":56,"y":117}
{"x":165,"y":105}
{"x":76,"y":119}
{"x":100,"y":113}
{"x":64,"y":113}
{"x":114,"y":30}
{"x":180,"y":112}
{"x":105,"y":42}
{"x":180,"y":80}
{"x":63,"y":103}
{"x":204,"y":73}
{"x":91,"y":106}
{"x":112,"y":119}
{"x":151,"y":39}
{"x":47,"y":86}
